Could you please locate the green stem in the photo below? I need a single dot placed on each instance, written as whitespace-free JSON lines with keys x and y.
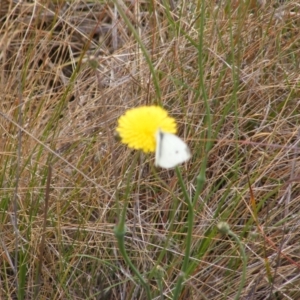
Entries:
{"x":185,"y":264}
{"x":244,"y":259}
{"x":120,"y":230}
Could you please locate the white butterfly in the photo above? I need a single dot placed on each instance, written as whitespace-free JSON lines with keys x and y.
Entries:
{"x":170,"y":150}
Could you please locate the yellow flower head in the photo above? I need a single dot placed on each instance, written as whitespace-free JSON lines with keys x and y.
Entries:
{"x":138,"y":127}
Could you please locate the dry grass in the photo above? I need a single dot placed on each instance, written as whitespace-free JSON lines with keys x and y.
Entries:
{"x":68,"y":70}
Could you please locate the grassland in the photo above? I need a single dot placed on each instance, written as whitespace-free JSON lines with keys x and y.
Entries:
{"x":223,"y":226}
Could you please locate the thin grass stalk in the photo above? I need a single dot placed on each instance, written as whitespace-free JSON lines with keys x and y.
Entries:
{"x":159,"y":279}
{"x":42,"y":243}
{"x":201,"y":178}
{"x":225,"y":229}
{"x":20,"y":290}
{"x":143,"y":48}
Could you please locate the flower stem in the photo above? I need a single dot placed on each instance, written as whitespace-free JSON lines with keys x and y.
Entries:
{"x":120,"y":230}
{"x":190,"y":224}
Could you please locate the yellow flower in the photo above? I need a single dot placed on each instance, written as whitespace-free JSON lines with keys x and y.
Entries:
{"x":138,"y":127}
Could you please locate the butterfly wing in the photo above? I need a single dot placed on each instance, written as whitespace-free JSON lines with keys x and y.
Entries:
{"x":170,"y":150}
